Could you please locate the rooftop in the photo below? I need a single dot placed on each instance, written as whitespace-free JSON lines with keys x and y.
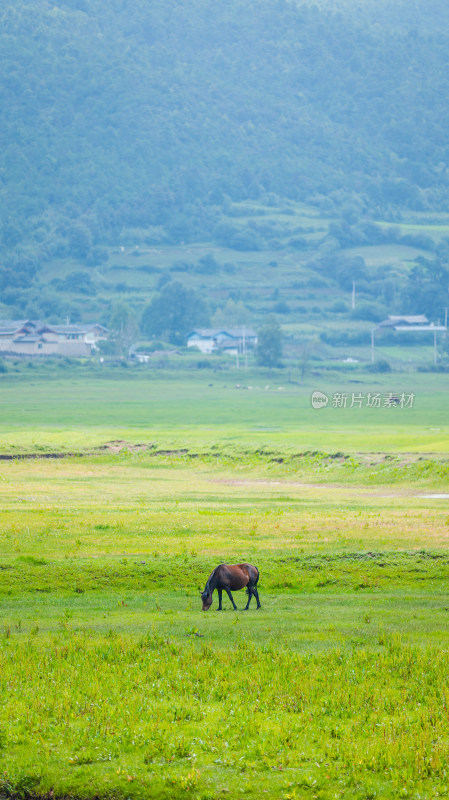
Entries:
{"x":13,"y":325}
{"x":392,"y":321}
{"x":233,"y":333}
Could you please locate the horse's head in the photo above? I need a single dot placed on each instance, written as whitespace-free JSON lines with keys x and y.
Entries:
{"x":206,"y":597}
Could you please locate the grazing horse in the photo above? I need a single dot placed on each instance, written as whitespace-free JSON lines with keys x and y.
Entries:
{"x":231,"y":576}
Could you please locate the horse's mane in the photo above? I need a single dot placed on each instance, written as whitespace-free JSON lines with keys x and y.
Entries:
{"x":207,"y":587}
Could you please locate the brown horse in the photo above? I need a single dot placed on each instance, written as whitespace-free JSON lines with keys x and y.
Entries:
{"x":231,"y":576}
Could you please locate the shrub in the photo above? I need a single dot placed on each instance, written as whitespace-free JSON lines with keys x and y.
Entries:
{"x":368,"y":311}
{"x":381,"y":365}
{"x":281,"y":307}
{"x":339,"y":307}
{"x":207,"y":265}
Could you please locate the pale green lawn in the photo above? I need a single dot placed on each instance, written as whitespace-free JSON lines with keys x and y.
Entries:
{"x":199,"y":411}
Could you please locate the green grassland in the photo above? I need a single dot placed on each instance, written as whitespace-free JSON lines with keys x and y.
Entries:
{"x":89,"y":407}
{"x":114,"y":683}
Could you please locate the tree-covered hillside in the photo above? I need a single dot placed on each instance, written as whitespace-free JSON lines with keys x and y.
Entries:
{"x":155,"y":115}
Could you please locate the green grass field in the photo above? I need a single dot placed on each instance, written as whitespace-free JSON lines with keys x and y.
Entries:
{"x":114,"y":683}
{"x":233,"y":407}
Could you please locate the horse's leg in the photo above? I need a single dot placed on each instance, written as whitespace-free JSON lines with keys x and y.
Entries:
{"x":228,"y":592}
{"x":250,"y":591}
{"x":256,"y":595}
{"x":219,"y":599}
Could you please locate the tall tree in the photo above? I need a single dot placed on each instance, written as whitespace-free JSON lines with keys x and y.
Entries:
{"x":269,"y":345}
{"x":124,"y":327}
{"x":173,"y":313}
{"x":427,"y":288}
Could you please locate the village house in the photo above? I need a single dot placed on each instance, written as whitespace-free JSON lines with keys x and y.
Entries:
{"x":410,"y":324}
{"x":414,"y":324}
{"x":36,"y":338}
{"x":405,"y":322}
{"x":229,"y":340}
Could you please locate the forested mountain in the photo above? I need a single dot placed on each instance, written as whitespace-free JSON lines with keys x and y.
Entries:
{"x":120,"y":114}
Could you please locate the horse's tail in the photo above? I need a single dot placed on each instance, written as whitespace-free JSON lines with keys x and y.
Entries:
{"x":254,"y":575}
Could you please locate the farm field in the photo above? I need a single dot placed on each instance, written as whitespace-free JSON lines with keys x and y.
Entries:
{"x":114,"y":683}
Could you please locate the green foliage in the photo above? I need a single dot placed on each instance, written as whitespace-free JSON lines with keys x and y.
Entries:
{"x":426,"y":290}
{"x":207,"y":265}
{"x":339,"y":307}
{"x":76,"y":282}
{"x":381,"y":365}
{"x":123,"y":327}
{"x":233,"y":314}
{"x":156,"y":137}
{"x":173,"y":313}
{"x":269,"y":345}
{"x":348,"y":270}
{"x":372,"y":312}
{"x":79,"y":240}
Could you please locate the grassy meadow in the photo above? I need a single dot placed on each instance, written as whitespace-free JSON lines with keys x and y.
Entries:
{"x":114,"y":683}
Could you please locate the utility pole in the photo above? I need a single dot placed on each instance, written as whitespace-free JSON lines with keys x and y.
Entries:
{"x":244,"y":348}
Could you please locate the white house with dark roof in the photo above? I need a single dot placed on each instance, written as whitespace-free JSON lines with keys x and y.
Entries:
{"x":404,"y":321}
{"x":231,"y":340}
{"x":33,"y":337}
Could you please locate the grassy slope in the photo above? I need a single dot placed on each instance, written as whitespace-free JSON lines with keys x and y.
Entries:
{"x":254,"y":275}
{"x":277,"y":279}
{"x":260,"y":278}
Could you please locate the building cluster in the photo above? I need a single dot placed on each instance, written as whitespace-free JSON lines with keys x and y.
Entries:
{"x":26,"y":337}
{"x":35,"y":338}
{"x":419,"y":322}
{"x":234,"y":341}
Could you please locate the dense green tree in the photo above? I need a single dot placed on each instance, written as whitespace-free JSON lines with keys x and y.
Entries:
{"x":119,"y":116}
{"x":137,"y":115}
{"x":269,"y":345}
{"x":124,"y":328}
{"x":427,"y":289}
{"x":80,"y":241}
{"x":77,"y":282}
{"x":207,"y":265}
{"x":233,"y":314}
{"x":173,"y":313}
